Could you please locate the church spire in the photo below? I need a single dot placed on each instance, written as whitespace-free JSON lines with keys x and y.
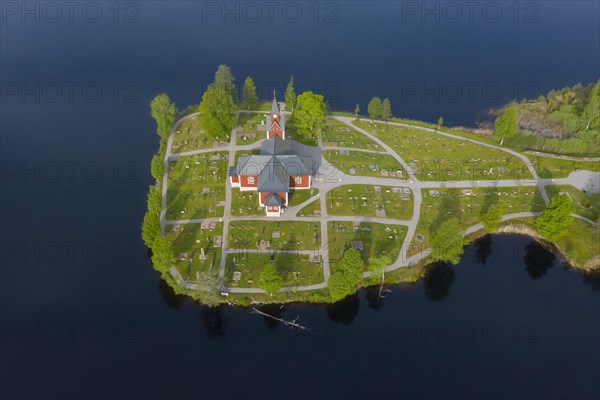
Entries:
{"x":274,"y":105}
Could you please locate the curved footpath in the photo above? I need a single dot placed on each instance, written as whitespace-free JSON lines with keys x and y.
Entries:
{"x":328,"y":177}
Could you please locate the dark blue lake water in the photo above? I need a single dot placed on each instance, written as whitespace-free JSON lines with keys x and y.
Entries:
{"x":84,"y":315}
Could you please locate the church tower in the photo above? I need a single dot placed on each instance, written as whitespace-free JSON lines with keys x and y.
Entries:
{"x":275,"y":121}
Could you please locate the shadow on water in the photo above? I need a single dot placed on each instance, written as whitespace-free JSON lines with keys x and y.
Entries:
{"x":483,"y":248}
{"x":214,"y":321}
{"x":344,"y":311}
{"x":172,"y":299}
{"x":438,"y":280}
{"x":374,"y":300}
{"x":538,"y":260}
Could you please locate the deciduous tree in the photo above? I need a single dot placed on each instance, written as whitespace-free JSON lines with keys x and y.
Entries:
{"x":163,"y":256}
{"x":163,"y":112}
{"x":217,"y":111}
{"x":375,"y":108}
{"x":556,"y":217}
{"x":447,"y":241}
{"x":270,"y":280}
{"x":346,"y":275}
{"x":492,"y":217}
{"x":309,"y":112}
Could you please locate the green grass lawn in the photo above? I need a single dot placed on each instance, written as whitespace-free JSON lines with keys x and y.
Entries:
{"x":297,"y":197}
{"x":336,"y":133}
{"x":439,"y":158}
{"x":363,"y":200}
{"x":309,"y":210}
{"x":188,"y":178}
{"x":377,"y":239}
{"x":367,"y":164}
{"x":585,"y":204}
{"x":295,"y":269}
{"x":292,"y":235}
{"x":249,"y":126}
{"x":190,"y":238}
{"x":468,"y":209}
{"x":245,"y":203}
{"x":557,"y":168}
{"x":189,"y":136}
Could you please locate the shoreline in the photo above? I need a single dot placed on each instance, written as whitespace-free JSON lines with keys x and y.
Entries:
{"x":398,"y":276}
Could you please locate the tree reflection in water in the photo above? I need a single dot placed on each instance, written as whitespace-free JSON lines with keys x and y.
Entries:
{"x":344,"y":311}
{"x":437,"y":282}
{"x":214,"y":322}
{"x":537,"y":260}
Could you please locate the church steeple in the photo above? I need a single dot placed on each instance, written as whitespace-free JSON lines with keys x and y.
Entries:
{"x":274,"y":106}
{"x":275,"y":122}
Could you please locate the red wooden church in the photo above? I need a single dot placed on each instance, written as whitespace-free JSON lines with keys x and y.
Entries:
{"x":276,"y":171}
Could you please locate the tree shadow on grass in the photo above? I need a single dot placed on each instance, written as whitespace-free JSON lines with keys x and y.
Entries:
{"x":450,"y":206}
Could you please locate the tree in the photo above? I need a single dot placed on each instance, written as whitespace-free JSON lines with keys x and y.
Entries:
{"x":356,"y":110}
{"x":270,"y":280}
{"x":208,"y":288}
{"x":492,"y":217}
{"x":556,"y":217}
{"x":440,"y":122}
{"x":163,"y":255}
{"x":447,"y":242}
{"x":249,"y":93}
{"x":224,"y":79}
{"x":290,"y":95}
{"x":591,"y":112}
{"x":375,"y":108}
{"x":377,"y":265}
{"x":217,"y":111}
{"x":157,"y":167}
{"x":163,"y":112}
{"x":386,"y":109}
{"x":309,"y":112}
{"x":506,"y":124}
{"x":150,"y":228}
{"x":154,"y":200}
{"x":346,"y":275}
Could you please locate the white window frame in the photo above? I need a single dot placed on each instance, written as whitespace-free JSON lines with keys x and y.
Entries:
{"x":250,"y":180}
{"x":298,"y":180}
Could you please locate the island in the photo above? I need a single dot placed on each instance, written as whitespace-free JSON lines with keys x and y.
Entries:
{"x":285,"y":201}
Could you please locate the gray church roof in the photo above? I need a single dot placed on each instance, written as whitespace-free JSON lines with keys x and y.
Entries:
{"x":296,"y":165}
{"x":273,"y":200}
{"x":275,"y":146}
{"x":275,"y":106}
{"x":274,"y":177}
